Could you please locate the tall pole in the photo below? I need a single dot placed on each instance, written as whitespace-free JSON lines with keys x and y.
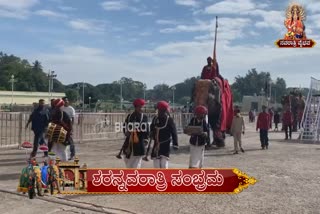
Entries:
{"x":78,"y":94}
{"x":83,"y":96}
{"x":121,"y":99}
{"x":49,"y":90}
{"x":51,"y":76}
{"x":12,"y":82}
{"x":275,"y":97}
{"x":173,"y":88}
{"x":144,"y":91}
{"x":270,"y":90}
{"x":215,"y":39}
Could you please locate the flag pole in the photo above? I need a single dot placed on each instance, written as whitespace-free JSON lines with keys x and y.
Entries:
{"x":215,"y":40}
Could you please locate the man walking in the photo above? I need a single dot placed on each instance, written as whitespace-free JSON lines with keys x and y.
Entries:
{"x":263,"y":123}
{"x":164,"y":132}
{"x":287,"y":121}
{"x":198,"y":141}
{"x":71,"y":113}
{"x":271,"y":113}
{"x":39,"y":120}
{"x":137,"y":133}
{"x":237,"y":128}
{"x":276,"y":120}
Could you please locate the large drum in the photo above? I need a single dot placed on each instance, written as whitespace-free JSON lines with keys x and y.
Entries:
{"x":56,"y":133}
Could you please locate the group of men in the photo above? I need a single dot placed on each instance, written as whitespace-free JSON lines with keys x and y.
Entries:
{"x":162,"y":132}
{"x":60,"y":112}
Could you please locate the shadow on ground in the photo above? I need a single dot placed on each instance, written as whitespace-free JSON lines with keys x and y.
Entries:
{"x":19,"y":163}
{"x":13,"y":154}
{"x":7,"y":177}
{"x":10,"y":160}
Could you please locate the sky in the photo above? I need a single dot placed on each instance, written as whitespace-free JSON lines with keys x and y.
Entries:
{"x":157,"y":41}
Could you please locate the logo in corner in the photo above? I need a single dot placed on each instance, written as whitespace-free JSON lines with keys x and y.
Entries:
{"x":294,"y":23}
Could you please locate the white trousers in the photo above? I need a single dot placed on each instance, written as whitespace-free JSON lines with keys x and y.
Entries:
{"x":133,"y":162}
{"x":161,"y":163}
{"x":196,"y":156}
{"x":60,"y":150}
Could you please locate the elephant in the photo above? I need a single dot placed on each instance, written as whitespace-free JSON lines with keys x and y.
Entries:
{"x":209,"y":93}
{"x":297,"y":104}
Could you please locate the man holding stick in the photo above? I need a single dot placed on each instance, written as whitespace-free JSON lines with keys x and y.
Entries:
{"x":137,"y":132}
{"x":163,"y":131}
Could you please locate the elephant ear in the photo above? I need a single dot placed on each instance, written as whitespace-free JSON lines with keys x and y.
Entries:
{"x":215,"y":89}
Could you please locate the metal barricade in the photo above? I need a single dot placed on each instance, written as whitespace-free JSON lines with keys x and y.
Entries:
{"x":86,"y":127}
{"x":12,"y":129}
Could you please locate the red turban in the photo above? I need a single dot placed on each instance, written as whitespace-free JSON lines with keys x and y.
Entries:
{"x":138,"y":102}
{"x":201,"y":110}
{"x":58,"y":103}
{"x":163,"y":105}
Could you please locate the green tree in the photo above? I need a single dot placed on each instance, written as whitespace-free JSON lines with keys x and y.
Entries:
{"x":72,"y":95}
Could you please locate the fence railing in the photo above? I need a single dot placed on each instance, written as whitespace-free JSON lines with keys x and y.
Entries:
{"x":87,"y":126}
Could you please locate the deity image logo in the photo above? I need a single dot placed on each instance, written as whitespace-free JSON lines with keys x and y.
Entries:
{"x":296,"y":34}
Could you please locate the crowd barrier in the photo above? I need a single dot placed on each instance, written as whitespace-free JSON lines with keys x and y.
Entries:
{"x":86,"y":127}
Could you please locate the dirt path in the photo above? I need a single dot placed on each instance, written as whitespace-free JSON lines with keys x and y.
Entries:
{"x":288,"y":179}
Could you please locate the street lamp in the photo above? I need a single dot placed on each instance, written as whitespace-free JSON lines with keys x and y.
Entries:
{"x":90,"y":104}
{"x":12,"y":84}
{"x":83,"y":85}
{"x":51,"y":76}
{"x":144,"y":91}
{"x":121,"y":98}
{"x":262,"y":95}
{"x":78,"y":95}
{"x":173,"y":89}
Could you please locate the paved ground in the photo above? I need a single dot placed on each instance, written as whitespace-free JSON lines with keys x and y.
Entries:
{"x":288,"y":174}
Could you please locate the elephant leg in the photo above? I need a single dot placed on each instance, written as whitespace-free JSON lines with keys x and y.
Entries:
{"x":218,"y":138}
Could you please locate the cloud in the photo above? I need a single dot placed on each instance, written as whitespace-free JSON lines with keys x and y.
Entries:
{"x":233,"y":60}
{"x":87,"y":25}
{"x":66,"y":8}
{"x":145,"y":33}
{"x":191,"y":3}
{"x":114,"y":5}
{"x":73,"y":63}
{"x":230,"y":7}
{"x":271,"y":19}
{"x":229,"y":28}
{"x":146,"y":13}
{"x":167,"y":22}
{"x":19,"y":9}
{"x":17,"y":4}
{"x":201,"y":26}
{"x":49,"y":13}
{"x":314,"y":7}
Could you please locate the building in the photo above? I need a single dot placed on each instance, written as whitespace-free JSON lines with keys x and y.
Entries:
{"x":256,"y":102}
{"x":253,"y":102}
{"x":25,"y":98}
